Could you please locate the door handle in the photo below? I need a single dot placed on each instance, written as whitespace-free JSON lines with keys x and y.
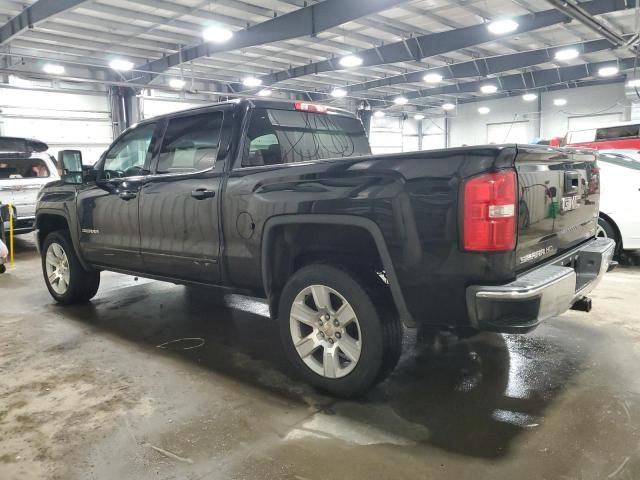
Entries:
{"x":127,"y":195}
{"x":202,"y":193}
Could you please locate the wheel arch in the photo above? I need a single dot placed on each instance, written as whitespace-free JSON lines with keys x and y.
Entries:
{"x":615,"y":226}
{"x":48,"y":221}
{"x":271,"y":258}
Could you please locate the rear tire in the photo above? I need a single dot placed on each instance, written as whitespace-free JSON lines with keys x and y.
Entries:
{"x":67,"y":281}
{"x":607,"y":230}
{"x":339,"y":328}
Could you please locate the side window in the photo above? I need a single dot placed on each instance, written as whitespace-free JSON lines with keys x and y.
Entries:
{"x":128,"y":156}
{"x":190,"y":143}
{"x":264,"y":148}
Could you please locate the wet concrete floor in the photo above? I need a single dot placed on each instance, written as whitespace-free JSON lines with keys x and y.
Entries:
{"x":152,"y":380}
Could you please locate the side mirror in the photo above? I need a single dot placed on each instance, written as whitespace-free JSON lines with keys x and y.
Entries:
{"x":70,"y":166}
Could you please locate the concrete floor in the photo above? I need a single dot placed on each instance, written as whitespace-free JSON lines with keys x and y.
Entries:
{"x":88,"y":392}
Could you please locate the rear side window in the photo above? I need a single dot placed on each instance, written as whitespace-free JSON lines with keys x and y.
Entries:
{"x":23,"y":168}
{"x":286,"y":136}
{"x":190,"y":143}
{"x":624,"y":131}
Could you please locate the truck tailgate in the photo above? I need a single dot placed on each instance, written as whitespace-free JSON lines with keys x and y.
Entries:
{"x":559,"y":193}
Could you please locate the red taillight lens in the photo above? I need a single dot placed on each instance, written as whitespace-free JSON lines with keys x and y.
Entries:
{"x":310,"y":107}
{"x":490,"y":212}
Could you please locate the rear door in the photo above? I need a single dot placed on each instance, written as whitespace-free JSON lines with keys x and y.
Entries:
{"x":179,"y":204}
{"x":559,"y":193}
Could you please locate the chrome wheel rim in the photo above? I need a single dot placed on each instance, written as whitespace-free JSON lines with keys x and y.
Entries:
{"x":600,"y":232}
{"x":57,"y":266}
{"x":325,"y":331}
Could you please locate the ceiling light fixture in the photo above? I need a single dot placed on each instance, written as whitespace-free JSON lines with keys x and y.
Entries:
{"x":351,"y":61}
{"x":378,"y":114}
{"x":484,"y":110}
{"x":251,"y":82}
{"x":560,"y":102}
{"x":217,"y":35}
{"x":488,"y":89}
{"x":608,"y":71}
{"x":432,"y":78}
{"x":500,"y":27}
{"x":529,"y":97}
{"x":401,"y":100}
{"x":121,"y":65}
{"x":338,"y":93}
{"x":177,"y":83}
{"x":265,"y":92}
{"x":448,"y":106}
{"x":566,"y":54}
{"x":418,"y":116}
{"x":53,"y":69}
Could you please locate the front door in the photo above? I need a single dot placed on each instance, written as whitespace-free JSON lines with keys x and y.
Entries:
{"x":108,"y":209}
{"x":179,"y":228}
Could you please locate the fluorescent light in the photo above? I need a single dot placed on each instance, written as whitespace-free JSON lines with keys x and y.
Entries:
{"x":338,"y":92}
{"x":53,"y":69}
{"x":177,"y":83}
{"x":635,"y":83}
{"x":488,"y":89}
{"x":448,"y":106}
{"x":378,"y":114}
{"x":265,"y":92}
{"x":432,"y":78}
{"x":529,"y":97}
{"x":350,"y":61}
{"x":121,"y":65}
{"x":251,"y":82}
{"x":401,"y":100}
{"x":217,"y":35}
{"x":500,"y":27}
{"x":484,"y":110}
{"x":566,"y":54}
{"x":608,"y":71}
{"x":559,"y":102}
{"x":418,"y":116}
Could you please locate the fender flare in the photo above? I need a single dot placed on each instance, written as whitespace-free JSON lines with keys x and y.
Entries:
{"x":327,"y":219}
{"x":73,"y":235}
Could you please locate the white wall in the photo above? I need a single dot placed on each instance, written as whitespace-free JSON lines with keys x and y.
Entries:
{"x":75,"y":119}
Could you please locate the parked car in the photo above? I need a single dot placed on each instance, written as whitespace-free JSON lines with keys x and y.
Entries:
{"x":620,"y":184}
{"x":622,"y":135}
{"x":283,"y":200}
{"x":25,"y":166}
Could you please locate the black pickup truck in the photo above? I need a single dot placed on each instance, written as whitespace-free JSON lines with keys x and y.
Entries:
{"x":284,"y":201}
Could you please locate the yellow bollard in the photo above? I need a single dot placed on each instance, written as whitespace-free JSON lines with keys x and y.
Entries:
{"x":11,"y":235}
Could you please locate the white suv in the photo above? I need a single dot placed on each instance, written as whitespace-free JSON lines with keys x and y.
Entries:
{"x":25,"y":167}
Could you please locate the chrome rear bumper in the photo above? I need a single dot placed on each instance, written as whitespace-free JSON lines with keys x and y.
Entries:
{"x":542,"y":293}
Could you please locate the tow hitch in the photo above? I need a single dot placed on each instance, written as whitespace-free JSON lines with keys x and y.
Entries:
{"x":582,"y":305}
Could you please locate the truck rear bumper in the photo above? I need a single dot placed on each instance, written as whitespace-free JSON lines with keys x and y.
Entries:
{"x":542,"y":293}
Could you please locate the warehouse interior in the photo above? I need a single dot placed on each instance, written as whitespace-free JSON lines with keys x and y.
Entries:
{"x":152,"y":379}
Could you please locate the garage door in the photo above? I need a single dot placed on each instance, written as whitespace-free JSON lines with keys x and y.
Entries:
{"x":61,"y":119}
{"x":511,"y":132}
{"x":593,"y":121}
{"x":152,"y":107}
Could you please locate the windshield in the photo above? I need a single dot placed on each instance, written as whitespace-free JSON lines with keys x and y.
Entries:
{"x":285,"y":136}
{"x":15,"y":169}
{"x":620,"y":160}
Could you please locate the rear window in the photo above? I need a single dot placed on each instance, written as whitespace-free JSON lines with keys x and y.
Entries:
{"x":285,"y":136}
{"x":624,"y":131}
{"x":23,"y":168}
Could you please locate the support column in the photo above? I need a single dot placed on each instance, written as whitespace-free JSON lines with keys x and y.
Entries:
{"x":364,"y":114}
{"x":125,"y":109}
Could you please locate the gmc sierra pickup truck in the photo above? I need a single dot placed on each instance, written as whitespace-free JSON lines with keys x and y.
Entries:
{"x":284,"y":201}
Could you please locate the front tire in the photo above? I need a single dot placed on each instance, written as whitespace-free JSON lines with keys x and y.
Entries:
{"x":339,"y":329}
{"x":67,"y":281}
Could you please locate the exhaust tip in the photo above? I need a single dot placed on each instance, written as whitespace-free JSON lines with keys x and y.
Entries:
{"x":582,"y":305}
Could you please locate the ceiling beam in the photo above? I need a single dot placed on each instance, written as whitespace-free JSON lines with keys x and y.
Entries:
{"x":483,"y":67}
{"x":34,"y":14}
{"x":425,"y":46}
{"x":306,"y":21}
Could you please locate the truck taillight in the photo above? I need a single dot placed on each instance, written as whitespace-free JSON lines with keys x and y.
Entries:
{"x":310,"y":107}
{"x":489,"y":212}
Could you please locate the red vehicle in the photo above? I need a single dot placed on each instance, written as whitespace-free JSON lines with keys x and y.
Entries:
{"x":622,"y":136}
